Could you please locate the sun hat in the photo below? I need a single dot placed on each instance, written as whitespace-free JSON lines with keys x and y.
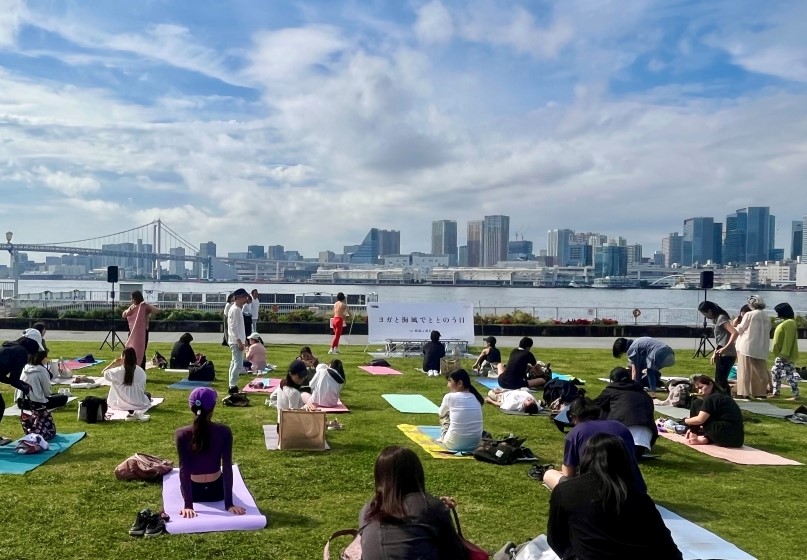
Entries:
{"x":35,"y":335}
{"x":203,"y":397}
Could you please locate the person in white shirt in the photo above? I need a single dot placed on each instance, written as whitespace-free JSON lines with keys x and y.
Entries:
{"x":236,"y":337}
{"x":327,"y":384}
{"x":255,"y":308}
{"x":461,"y":413}
{"x":38,"y":377}
{"x":247,"y":312}
{"x":128,"y":384}
{"x":227,"y":307}
{"x":753,"y":345}
{"x":287,"y":396}
{"x":518,"y":400}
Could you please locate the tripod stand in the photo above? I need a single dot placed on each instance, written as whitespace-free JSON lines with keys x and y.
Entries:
{"x":705,"y":340}
{"x":112,"y":338}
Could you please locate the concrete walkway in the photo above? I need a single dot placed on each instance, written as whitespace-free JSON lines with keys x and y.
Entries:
{"x":361,"y":340}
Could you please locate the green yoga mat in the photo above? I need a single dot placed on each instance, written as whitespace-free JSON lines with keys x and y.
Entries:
{"x":414,"y":404}
{"x":12,"y":462}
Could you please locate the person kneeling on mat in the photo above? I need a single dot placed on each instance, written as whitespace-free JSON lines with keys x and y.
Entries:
{"x":715,"y":418}
{"x":205,"y":452}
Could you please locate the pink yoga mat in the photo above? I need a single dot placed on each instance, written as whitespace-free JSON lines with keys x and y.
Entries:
{"x":211,"y":516}
{"x":380,"y":370}
{"x":273,"y":384}
{"x":340,"y":407}
{"x":743,"y":456}
{"x":74,"y":365}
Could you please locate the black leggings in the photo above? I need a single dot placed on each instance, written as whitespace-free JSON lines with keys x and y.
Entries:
{"x":722,"y":368}
{"x":208,"y":491}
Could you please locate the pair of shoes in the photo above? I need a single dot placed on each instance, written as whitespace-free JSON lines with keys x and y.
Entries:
{"x":148,"y":523}
{"x":335,"y":425}
{"x":330,"y":350}
{"x":335,"y":350}
{"x":232,"y":391}
{"x":137,"y":416}
{"x":433,"y":373}
{"x":66,"y":392}
{"x":537,"y":472}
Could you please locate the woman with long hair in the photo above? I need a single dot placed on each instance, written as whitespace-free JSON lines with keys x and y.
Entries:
{"x":38,"y":377}
{"x":725,"y":353}
{"x":403,"y":521}
{"x":137,"y":315}
{"x":753,"y":344}
{"x":601,"y":514}
{"x":327,"y":384}
{"x":205,"y":451}
{"x":461,"y":413}
{"x":127,"y":389}
{"x":715,"y":418}
{"x":287,"y":396}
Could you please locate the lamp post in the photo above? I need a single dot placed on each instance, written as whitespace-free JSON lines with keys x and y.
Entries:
{"x":13,"y":261}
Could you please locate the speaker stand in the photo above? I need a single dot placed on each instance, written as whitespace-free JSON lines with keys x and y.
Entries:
{"x":112,"y":339}
{"x":705,"y":340}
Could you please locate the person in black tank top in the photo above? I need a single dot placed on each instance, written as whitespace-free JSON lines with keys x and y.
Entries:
{"x":490,"y":354}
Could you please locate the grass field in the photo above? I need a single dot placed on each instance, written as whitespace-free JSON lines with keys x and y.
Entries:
{"x":73,"y":507}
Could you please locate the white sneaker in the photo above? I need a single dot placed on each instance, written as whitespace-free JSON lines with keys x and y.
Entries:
{"x":330,"y":351}
{"x":138,"y":416}
{"x":335,"y":350}
{"x":65,"y":392}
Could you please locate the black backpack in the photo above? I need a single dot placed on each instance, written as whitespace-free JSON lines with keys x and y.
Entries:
{"x":500,"y":451}
{"x":560,"y":389}
{"x":92,"y":410}
{"x":202,"y":372}
{"x":380,"y":362}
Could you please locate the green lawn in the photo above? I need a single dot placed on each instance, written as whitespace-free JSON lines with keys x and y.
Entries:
{"x":73,"y":507}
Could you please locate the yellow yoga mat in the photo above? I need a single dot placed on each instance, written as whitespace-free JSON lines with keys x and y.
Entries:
{"x":424,"y":436}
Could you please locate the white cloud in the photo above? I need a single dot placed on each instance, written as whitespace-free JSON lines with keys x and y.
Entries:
{"x":11,"y":13}
{"x":65,"y":183}
{"x":434,"y":23}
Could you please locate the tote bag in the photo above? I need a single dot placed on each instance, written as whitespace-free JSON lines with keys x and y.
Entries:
{"x":302,"y":430}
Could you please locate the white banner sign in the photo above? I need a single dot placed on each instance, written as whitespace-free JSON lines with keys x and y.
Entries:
{"x":416,"y":321}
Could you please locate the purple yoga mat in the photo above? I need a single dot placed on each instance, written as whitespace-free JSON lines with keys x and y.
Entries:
{"x":211,"y":516}
{"x":380,"y":370}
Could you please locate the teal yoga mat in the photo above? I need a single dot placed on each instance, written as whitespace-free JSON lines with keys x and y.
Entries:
{"x":13,"y":463}
{"x":489,"y":382}
{"x":415,"y":404}
{"x":185,"y":384}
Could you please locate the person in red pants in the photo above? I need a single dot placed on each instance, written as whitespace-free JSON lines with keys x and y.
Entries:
{"x":338,"y":322}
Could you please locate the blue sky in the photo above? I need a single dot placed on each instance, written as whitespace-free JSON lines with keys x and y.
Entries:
{"x":306,"y":123}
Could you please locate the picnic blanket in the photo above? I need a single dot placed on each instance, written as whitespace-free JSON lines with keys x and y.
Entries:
{"x":742,"y":456}
{"x":13,"y":463}
{"x":380,"y":370}
{"x":270,"y":385}
{"x":272,"y":438}
{"x":122,"y":414}
{"x":426,"y":436}
{"x":14,"y":410}
{"x":413,"y":404}
{"x":189,"y":385}
{"x":211,"y":516}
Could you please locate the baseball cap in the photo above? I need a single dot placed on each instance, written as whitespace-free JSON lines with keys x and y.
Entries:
{"x":203,"y":397}
{"x":34,"y":334}
{"x":255,"y":336}
{"x":298,"y":367}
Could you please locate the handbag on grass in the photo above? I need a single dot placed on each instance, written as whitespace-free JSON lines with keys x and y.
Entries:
{"x":353,"y":550}
{"x":38,"y":421}
{"x":473,"y":552}
{"x":142,"y":466}
{"x":301,"y":430}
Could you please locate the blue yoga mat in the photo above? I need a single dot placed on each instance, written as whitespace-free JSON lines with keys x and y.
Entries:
{"x":186,"y":384}
{"x":431,"y":431}
{"x":415,"y":404}
{"x":12,"y":462}
{"x":489,"y":382}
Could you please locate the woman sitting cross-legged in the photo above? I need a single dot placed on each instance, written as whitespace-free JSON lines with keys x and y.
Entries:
{"x":182,"y":354}
{"x":128,"y":385}
{"x":38,"y":377}
{"x":205,"y":452}
{"x":461,"y":413}
{"x":256,"y":353}
{"x":715,"y":418}
{"x":403,"y":521}
{"x":326,"y":385}
{"x":602,"y":514}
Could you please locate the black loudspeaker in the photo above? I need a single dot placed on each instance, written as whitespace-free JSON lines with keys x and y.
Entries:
{"x":707,"y":279}
{"x":112,"y":274}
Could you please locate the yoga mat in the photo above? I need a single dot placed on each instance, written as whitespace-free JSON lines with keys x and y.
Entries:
{"x":673,"y":378}
{"x":122,"y":414}
{"x":182,"y":371}
{"x":14,"y":410}
{"x":673,"y":412}
{"x":414,"y":404}
{"x":271,"y":437}
{"x":273,"y":384}
{"x":210,"y":516}
{"x":564,"y":377}
{"x":380,"y":370}
{"x":696,"y":543}
{"x":339,"y":408}
{"x":489,"y":382}
{"x":73,"y":364}
{"x":764,"y":408}
{"x":742,"y":456}
{"x":13,"y":463}
{"x":425,"y":437}
{"x":98,"y":380}
{"x":185,"y":384}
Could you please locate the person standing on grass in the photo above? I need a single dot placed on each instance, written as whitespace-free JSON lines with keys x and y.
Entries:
{"x":247,"y":312}
{"x":715,"y":418}
{"x":461,"y":413}
{"x":785,"y":350}
{"x":725,"y":354}
{"x":255,"y":310}
{"x":340,"y":312}
{"x":236,"y":337}
{"x":137,"y":316}
{"x":753,"y":346}
{"x":647,"y":357}
{"x":227,"y":307}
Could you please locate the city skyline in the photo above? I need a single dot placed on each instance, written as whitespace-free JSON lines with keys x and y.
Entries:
{"x":319,"y":120}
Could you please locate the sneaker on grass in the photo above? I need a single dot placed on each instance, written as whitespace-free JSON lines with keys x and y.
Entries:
{"x":138,"y":528}
{"x":138,"y":416}
{"x":156,"y":526}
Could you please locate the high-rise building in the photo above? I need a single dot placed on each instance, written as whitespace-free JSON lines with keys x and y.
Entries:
{"x":610,"y":260}
{"x":327,"y":256}
{"x":750,"y":235}
{"x":520,"y":250}
{"x":389,"y":242}
{"x":256,"y":252}
{"x":276,"y":253}
{"x":717,"y":243}
{"x":658,"y":258}
{"x":205,"y":250}
{"x":444,"y":239}
{"x":367,"y":252}
{"x":474,"y":243}
{"x":462,"y":255}
{"x":796,"y":239}
{"x":698,"y":246}
{"x":580,"y":254}
{"x":495,"y":236}
{"x":804,"y":240}
{"x":634,"y":254}
{"x":557,"y":245}
{"x":780,"y":255}
{"x":177,"y":268}
{"x":673,"y":247}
